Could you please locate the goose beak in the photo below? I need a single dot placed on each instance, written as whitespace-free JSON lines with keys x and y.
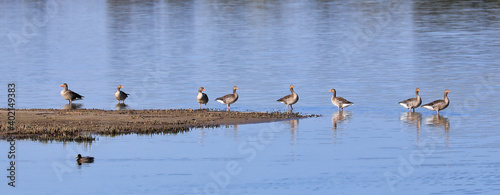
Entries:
{"x":62,"y":86}
{"x":204,"y":90}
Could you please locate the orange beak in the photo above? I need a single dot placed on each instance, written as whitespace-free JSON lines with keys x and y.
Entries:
{"x":204,"y":89}
{"x":62,"y":86}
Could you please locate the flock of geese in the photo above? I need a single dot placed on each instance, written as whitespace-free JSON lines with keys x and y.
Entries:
{"x":288,"y":100}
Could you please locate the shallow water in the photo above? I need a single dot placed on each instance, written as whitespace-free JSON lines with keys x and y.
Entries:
{"x":374,"y":53}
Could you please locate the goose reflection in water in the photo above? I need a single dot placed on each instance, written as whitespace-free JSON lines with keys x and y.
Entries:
{"x":72,"y":106}
{"x":339,"y":117}
{"x":121,"y":106}
{"x":293,"y":126}
{"x":438,"y":121}
{"x":412,"y":118}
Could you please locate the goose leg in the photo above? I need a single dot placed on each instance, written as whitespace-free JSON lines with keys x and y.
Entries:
{"x":205,"y":106}
{"x":291,"y":108}
{"x":228,"y":107}
{"x":200,"y":106}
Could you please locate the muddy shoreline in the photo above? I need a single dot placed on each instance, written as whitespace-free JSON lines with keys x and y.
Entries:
{"x":84,"y":124}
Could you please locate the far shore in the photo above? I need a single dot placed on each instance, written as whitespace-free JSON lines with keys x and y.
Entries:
{"x":84,"y":124}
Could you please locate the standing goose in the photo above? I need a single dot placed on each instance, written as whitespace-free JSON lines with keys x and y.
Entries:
{"x":412,"y":103}
{"x":120,"y":95}
{"x":289,"y":99}
{"x":439,"y":104}
{"x":202,"y":98}
{"x":229,"y":98}
{"x":69,"y":95}
{"x":340,"y":102}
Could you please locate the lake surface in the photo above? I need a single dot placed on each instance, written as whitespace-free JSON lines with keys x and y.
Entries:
{"x":374,"y":53}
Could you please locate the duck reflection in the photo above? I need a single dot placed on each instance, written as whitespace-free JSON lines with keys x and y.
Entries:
{"x":121,"y":106}
{"x":293,"y":140}
{"x":235,"y":132}
{"x":72,"y":106}
{"x":293,"y":125}
{"x":412,"y":118}
{"x":339,"y":117}
{"x":438,"y":121}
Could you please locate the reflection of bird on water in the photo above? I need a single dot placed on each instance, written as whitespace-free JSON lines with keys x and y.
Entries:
{"x":438,"y":121}
{"x":293,"y":124}
{"x":121,"y":106}
{"x":413,"y":118}
{"x":339,"y":117}
{"x":72,"y":106}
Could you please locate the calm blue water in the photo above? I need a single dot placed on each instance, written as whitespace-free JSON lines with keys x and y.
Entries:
{"x":375,"y":53}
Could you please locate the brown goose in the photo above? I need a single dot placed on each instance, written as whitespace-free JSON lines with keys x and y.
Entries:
{"x":229,"y":98}
{"x":202,"y":98}
{"x":289,"y":99}
{"x":439,"y":104}
{"x":120,"y":95}
{"x":412,"y":103}
{"x":340,"y":102}
{"x":69,"y":95}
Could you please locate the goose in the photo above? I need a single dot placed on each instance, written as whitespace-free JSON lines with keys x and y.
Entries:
{"x":289,"y":99}
{"x":70,"y":95}
{"x":412,"y":103}
{"x":120,"y":95}
{"x":439,"y":104}
{"x":86,"y":159}
{"x":228,"y":99}
{"x":340,"y":102}
{"x":202,"y":98}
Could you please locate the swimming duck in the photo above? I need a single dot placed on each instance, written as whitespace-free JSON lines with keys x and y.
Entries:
{"x":70,"y":95}
{"x":340,"y":102}
{"x":202,"y":98}
{"x":120,"y":95}
{"x":439,"y":104}
{"x":412,"y":103}
{"x":289,"y":99}
{"x":86,"y":159}
{"x":228,"y":99}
